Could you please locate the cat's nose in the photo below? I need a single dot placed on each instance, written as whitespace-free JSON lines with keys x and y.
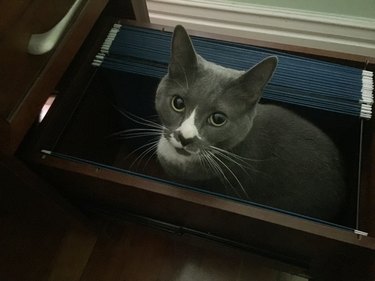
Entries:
{"x":184,"y":141}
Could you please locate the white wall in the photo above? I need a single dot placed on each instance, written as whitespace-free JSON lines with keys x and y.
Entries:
{"x":307,"y":26}
{"x":355,"y":8}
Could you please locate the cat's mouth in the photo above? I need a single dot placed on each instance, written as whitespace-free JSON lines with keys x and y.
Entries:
{"x":182,"y":149}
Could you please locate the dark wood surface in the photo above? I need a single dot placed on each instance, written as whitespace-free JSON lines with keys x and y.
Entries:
{"x":43,"y":238}
{"x":128,"y":251}
{"x":19,"y":69}
{"x":27,"y":80}
{"x":121,"y":250}
{"x":324,"y":250}
{"x":41,"y":235}
{"x":291,"y":240}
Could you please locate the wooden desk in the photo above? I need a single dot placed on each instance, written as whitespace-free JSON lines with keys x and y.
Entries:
{"x":323,"y":250}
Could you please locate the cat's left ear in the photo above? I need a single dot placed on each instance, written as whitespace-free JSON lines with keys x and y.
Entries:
{"x":255,"y":80}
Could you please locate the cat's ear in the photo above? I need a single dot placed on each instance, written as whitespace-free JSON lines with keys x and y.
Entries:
{"x":254,"y":80}
{"x":183,"y":56}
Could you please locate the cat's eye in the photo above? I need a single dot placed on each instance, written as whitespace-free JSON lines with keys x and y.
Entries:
{"x":178,"y":104}
{"x":217,"y":119}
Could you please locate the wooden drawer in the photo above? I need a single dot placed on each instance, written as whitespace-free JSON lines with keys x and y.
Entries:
{"x":27,"y":80}
{"x":72,"y":149}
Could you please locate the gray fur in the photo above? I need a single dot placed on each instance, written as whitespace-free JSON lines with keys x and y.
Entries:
{"x":274,"y":156}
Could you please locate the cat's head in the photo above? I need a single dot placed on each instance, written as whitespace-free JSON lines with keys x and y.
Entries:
{"x":202,"y":104}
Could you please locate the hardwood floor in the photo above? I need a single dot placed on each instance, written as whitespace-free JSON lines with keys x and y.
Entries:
{"x":129,"y":251}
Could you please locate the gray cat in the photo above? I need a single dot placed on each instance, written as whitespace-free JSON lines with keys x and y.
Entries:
{"x":216,"y":135}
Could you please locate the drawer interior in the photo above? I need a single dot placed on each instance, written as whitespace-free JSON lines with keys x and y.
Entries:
{"x":115,"y":101}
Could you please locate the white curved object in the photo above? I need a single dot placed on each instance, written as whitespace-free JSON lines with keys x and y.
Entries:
{"x":44,"y":42}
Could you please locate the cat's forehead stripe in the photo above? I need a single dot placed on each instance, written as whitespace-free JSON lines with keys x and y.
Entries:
{"x":188,"y":128}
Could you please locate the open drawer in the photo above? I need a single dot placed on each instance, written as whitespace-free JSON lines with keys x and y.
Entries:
{"x":76,"y":148}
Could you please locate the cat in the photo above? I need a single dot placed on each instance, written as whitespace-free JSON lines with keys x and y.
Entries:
{"x":216,"y":135}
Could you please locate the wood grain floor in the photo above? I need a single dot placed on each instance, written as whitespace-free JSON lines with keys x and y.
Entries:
{"x":126,"y":251}
{"x":133,"y":252}
{"x":129,"y":251}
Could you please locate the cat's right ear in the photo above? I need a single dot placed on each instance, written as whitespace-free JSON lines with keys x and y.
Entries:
{"x":183,"y":56}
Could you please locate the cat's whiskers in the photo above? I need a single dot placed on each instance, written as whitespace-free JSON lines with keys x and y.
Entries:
{"x":219,"y":161}
{"x":216,"y":169}
{"x":138,"y":133}
{"x":239,"y":157}
{"x":246,"y":164}
{"x":209,"y":160}
{"x":150,"y":129}
{"x":141,"y":121}
{"x":141,"y":130}
{"x":151,"y":148}
{"x":152,"y":154}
